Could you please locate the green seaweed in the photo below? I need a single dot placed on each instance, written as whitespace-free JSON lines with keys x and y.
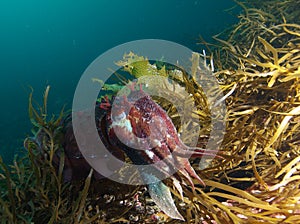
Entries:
{"x":257,"y":64}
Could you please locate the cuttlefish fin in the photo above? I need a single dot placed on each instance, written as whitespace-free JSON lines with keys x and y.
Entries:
{"x":162,"y":197}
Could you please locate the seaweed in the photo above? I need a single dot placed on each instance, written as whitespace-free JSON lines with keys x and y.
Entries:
{"x":257,"y":64}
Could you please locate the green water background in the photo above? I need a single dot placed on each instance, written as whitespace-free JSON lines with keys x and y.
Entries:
{"x":52,"y":42}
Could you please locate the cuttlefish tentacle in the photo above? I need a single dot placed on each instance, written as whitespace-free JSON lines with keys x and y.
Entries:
{"x":148,"y":126}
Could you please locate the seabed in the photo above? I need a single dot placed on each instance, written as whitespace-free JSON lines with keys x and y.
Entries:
{"x":257,"y":65}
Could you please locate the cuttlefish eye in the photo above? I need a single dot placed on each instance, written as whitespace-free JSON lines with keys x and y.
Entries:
{"x":119,"y":117}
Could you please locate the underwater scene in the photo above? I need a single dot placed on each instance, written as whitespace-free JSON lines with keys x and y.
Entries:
{"x":150,"y":111}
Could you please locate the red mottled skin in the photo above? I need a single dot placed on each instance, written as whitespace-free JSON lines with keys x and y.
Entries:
{"x":149,"y":127}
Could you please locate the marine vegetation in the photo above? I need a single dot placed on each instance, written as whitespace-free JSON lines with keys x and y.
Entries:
{"x":256,"y":179}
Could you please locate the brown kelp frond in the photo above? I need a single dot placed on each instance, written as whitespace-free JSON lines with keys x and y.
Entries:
{"x":10,"y":209}
{"x":33,"y":188}
{"x":261,"y":56}
{"x":39,"y":119}
{"x":257,"y":64}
